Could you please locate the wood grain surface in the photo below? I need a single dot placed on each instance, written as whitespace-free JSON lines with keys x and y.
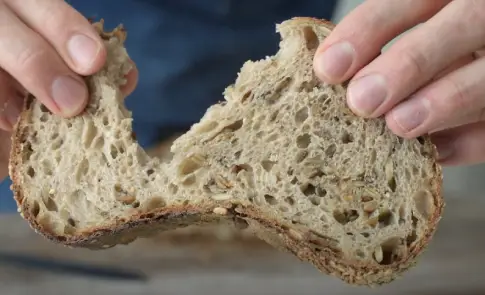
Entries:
{"x":209,"y":262}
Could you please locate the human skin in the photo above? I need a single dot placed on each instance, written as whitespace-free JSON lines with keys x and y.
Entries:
{"x":430,"y":81}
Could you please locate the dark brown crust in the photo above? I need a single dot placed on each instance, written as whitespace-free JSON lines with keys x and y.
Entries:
{"x":122,"y":232}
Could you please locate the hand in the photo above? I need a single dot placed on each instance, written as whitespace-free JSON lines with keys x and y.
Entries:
{"x":430,"y":81}
{"x":45,"y":48}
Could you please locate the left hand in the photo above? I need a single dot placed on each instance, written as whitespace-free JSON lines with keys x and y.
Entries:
{"x":431,"y":80}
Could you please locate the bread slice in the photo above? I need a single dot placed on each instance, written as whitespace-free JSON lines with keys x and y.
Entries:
{"x":282,"y":156}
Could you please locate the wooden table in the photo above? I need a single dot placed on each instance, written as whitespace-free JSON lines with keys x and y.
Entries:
{"x":195,"y":264}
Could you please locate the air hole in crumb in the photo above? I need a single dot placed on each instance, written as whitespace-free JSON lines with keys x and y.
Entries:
{"x":35,"y":209}
{"x":392,"y":184}
{"x":273,"y":116}
{"x":321,"y":192}
{"x":315,"y":200}
{"x":345,"y":216}
{"x":308,"y":189}
{"x":234,"y":126}
{"x":347,"y":138}
{"x":57,"y":144}
{"x":136,"y":204}
{"x":390,"y":251}
{"x":150,"y":172}
{"x":237,"y":155}
{"x":105,"y":121}
{"x":51,"y":205}
{"x":421,"y":140}
{"x":372,"y":157}
{"x":44,"y":109}
{"x":270,"y":199}
{"x":303,"y":141}
{"x":360,"y":254}
{"x":385,"y":218}
{"x":279,"y":90}
{"x":246,"y":96}
{"x":155,"y":203}
{"x":44,"y":118}
{"x":301,"y":115}
{"x":113,"y":152}
{"x":311,"y":39}
{"x":290,"y":201}
{"x":411,"y":238}
{"x":300,"y":156}
{"x":267,"y":165}
{"x":189,"y":180}
{"x":190,"y":165}
{"x":31,"y":172}
{"x":283,"y":209}
{"x":365,"y":235}
{"x":48,"y":169}
{"x":272,"y":137}
{"x":71,"y":222}
{"x":330,"y":151}
{"x":424,"y":203}
{"x":173,"y":188}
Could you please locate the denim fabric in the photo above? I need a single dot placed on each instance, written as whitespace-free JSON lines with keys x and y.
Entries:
{"x":188,"y":51}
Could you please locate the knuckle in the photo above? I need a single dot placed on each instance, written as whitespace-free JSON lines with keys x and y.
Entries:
{"x":414,"y":62}
{"x":449,"y":97}
{"x":459,"y":98}
{"x":30,"y":59}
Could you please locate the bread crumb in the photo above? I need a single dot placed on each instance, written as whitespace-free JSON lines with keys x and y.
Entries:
{"x":221,"y":197}
{"x":220,"y":211}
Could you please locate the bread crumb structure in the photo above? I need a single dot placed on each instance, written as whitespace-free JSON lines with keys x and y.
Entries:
{"x":282,"y":156}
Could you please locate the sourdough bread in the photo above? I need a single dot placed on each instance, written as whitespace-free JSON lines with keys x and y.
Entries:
{"x":282,"y":157}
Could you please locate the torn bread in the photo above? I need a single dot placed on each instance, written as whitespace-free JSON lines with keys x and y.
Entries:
{"x":282,"y":157}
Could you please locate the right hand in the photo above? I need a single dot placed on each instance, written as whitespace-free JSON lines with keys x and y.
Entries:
{"x":45,"y":48}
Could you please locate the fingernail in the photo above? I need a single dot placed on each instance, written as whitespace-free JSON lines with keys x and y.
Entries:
{"x":69,"y":95}
{"x":334,"y":62}
{"x":410,"y":114}
{"x":83,"y":50}
{"x":367,"y":94}
{"x":445,"y":147}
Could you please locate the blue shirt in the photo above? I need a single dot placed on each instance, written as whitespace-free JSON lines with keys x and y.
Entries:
{"x":187,"y":52}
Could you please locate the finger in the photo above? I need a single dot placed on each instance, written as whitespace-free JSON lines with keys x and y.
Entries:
{"x":461,"y":62}
{"x":4,"y":153}
{"x":36,"y":65}
{"x":131,"y":81}
{"x":418,"y":56}
{"x":477,"y":116}
{"x":455,"y":95}
{"x":361,"y":35}
{"x":10,"y":102}
{"x":66,"y":30}
{"x":464,"y":145}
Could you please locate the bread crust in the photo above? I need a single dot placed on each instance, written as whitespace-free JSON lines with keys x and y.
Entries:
{"x":280,"y":236}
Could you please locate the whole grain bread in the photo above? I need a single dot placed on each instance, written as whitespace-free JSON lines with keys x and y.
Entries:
{"x":282,"y":157}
